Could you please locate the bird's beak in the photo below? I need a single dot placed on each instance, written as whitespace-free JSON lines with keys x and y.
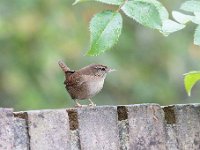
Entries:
{"x":111,"y":70}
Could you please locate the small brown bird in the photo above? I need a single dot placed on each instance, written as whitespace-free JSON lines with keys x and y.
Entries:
{"x":86,"y":82}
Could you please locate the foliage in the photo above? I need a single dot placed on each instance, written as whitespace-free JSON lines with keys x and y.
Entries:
{"x":190,"y":79}
{"x":192,"y":6}
{"x":105,"y":29}
{"x":113,"y":2}
{"x":150,"y":13}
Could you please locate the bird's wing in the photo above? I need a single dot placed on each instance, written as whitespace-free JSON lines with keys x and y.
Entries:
{"x":76,"y":78}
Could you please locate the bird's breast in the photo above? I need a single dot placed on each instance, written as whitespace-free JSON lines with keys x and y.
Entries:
{"x":95,"y":87}
{"x":86,"y":87}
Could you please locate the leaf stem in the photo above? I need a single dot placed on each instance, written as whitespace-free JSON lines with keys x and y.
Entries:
{"x":121,"y":5}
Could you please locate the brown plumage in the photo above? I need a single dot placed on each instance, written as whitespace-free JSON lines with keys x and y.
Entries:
{"x":86,"y":82}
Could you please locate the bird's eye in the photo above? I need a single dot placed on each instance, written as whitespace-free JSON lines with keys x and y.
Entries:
{"x":103,"y":69}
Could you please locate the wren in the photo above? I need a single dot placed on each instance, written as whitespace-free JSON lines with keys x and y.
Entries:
{"x":86,"y":82}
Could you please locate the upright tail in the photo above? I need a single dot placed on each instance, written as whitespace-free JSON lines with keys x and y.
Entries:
{"x":63,"y":66}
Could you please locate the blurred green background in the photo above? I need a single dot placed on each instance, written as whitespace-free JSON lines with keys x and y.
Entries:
{"x":35,"y":34}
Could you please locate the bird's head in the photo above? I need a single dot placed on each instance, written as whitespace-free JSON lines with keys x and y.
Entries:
{"x":100,"y":70}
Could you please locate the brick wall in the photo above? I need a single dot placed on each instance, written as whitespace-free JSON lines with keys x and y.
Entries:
{"x":131,"y":127}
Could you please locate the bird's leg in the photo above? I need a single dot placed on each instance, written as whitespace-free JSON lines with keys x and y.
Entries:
{"x":91,"y":103}
{"x":77,"y":103}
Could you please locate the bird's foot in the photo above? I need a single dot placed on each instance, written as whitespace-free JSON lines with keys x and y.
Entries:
{"x":92,"y":104}
{"x":79,"y":106}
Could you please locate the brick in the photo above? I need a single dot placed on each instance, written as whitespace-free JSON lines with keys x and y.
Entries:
{"x":49,"y":130}
{"x":98,"y":128}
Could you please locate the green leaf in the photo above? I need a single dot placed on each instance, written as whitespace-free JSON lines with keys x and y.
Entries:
{"x":161,"y":9}
{"x":149,"y":13}
{"x":112,"y":2}
{"x":191,"y":6}
{"x":196,"y":18}
{"x":197,"y":36}
{"x":105,"y":28}
{"x":170,"y":26}
{"x":181,"y":18}
{"x":197,"y":14}
{"x":190,"y":79}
